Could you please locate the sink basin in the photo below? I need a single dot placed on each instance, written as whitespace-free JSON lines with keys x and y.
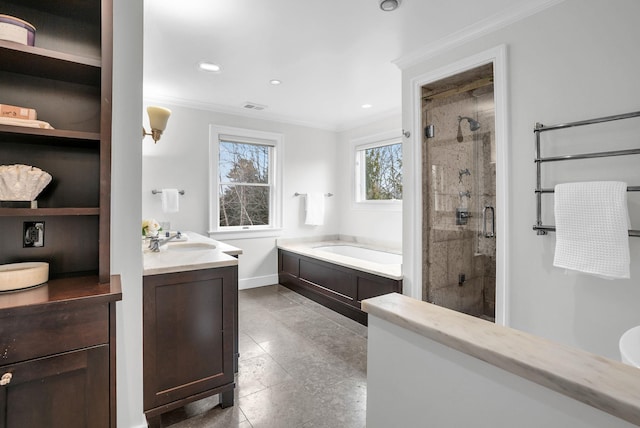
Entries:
{"x":630,"y":347}
{"x":16,"y":276}
{"x":190,"y":246}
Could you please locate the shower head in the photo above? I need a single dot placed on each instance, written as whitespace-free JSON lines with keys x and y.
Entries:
{"x":474,"y":125}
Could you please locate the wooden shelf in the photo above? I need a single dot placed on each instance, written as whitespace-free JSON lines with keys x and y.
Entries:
{"x":66,"y":8}
{"x":48,"y":212}
{"x":22,"y":134}
{"x":48,"y":64}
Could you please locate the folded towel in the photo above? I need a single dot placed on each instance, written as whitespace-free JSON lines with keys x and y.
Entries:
{"x":592,"y":223}
{"x":170,"y":200}
{"x":314,"y":205}
{"x":29,"y":123}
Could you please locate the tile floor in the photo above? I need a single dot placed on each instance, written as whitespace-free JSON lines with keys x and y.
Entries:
{"x":301,"y":366}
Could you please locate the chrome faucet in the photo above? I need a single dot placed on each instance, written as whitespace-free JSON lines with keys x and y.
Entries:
{"x":155,"y":243}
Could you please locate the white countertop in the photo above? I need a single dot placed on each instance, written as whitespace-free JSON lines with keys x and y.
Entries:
{"x":168,"y":261}
{"x":306,"y":248}
{"x":608,"y":385}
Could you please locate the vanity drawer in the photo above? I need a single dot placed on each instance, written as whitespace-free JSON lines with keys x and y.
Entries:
{"x":46,"y":332}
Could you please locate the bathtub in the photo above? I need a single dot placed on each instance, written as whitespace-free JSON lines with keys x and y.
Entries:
{"x":362,"y":253}
{"x":338,"y":274}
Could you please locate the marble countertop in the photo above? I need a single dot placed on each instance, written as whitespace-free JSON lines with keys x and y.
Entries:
{"x":608,"y":385}
{"x":305,"y":247}
{"x":168,"y":261}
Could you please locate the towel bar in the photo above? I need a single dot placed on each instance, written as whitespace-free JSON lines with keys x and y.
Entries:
{"x":154,"y":191}
{"x":539,"y":160}
{"x":328,"y":195}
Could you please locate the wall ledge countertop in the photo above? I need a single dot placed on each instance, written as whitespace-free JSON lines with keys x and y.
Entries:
{"x":168,"y":261}
{"x":305,"y":247}
{"x":600,"y":382}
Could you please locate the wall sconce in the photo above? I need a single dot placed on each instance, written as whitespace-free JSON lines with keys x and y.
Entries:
{"x":158,"y":117}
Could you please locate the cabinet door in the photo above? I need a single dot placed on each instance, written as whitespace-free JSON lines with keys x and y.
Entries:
{"x":63,"y":391}
{"x":188,"y":334}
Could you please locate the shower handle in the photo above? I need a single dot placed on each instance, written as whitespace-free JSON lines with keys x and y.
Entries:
{"x":492,"y":233}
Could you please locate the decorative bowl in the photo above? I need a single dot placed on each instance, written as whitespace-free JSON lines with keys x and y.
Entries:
{"x":17,"y":30}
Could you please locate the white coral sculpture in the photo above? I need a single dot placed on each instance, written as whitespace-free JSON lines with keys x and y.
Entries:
{"x":22,"y":182}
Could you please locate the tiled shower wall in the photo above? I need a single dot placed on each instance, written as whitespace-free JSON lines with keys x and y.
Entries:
{"x":451,"y":250}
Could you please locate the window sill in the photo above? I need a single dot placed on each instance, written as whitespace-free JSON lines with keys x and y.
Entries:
{"x":244,"y":234}
{"x":378,"y":205}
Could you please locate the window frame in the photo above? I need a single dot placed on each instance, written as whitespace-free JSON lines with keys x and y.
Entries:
{"x":358,"y":148}
{"x":276,"y":153}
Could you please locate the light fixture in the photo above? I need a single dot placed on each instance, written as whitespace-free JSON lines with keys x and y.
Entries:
{"x":275,"y":82}
{"x":158,"y":117}
{"x":389,"y":5}
{"x":366,"y":106}
{"x":210,"y":67}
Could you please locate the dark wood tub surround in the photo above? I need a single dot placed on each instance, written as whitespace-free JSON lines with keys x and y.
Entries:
{"x":336,"y":287}
{"x":58,"y":341}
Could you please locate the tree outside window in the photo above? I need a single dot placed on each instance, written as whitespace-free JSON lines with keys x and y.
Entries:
{"x":382,"y":169}
{"x":246,"y":175}
{"x":244,"y":184}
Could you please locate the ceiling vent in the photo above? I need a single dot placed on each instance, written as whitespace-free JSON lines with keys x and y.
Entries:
{"x":253,"y":106}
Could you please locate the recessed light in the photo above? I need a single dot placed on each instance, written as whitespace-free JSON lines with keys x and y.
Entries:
{"x":389,"y":5}
{"x":275,"y":82}
{"x":211,"y":67}
{"x":366,"y":106}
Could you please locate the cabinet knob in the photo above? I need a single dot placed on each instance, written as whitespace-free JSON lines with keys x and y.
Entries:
{"x":5,"y":379}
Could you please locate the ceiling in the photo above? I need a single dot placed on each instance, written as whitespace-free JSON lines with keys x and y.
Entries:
{"x":332,"y":56}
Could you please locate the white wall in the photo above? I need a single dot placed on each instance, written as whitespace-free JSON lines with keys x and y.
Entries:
{"x":180,"y":160}
{"x":574,"y":61}
{"x":375,"y":224}
{"x":441,"y":387}
{"x":126,"y":176}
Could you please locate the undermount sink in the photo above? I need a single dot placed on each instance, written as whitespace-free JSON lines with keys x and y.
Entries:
{"x":630,"y":347}
{"x":16,"y":276}
{"x":190,"y":246}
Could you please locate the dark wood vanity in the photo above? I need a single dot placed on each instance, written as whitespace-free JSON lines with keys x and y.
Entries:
{"x":58,"y":340}
{"x":189,"y":324}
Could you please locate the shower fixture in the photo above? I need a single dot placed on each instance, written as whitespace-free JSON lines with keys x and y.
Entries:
{"x":474,"y":125}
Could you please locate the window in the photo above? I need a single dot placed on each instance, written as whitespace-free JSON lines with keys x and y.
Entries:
{"x":379,"y":171}
{"x":245,"y":176}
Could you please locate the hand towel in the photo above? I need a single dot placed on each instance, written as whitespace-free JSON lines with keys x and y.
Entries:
{"x":592,"y":222}
{"x":170,"y":200}
{"x":314,"y":205}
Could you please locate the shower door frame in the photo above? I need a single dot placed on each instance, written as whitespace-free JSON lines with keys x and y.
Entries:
{"x":412,"y":242}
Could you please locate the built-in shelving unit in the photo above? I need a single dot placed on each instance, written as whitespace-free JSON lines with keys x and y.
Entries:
{"x":60,"y":337}
{"x":66,"y":77}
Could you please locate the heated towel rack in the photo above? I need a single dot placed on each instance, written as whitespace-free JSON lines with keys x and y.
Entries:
{"x":539,"y":160}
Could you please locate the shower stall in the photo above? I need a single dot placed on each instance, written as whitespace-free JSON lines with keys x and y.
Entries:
{"x":459,"y":192}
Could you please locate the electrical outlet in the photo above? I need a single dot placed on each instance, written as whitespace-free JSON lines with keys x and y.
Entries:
{"x":33,"y":234}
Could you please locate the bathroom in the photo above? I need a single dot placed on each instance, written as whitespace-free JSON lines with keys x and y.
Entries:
{"x":563,"y":61}
{"x":540,"y":300}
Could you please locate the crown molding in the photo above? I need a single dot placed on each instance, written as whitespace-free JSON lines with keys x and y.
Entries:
{"x":237,"y":111}
{"x":479,"y":29}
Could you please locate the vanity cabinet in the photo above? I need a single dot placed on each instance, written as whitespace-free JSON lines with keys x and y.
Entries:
{"x":188,"y":338}
{"x":58,"y":355}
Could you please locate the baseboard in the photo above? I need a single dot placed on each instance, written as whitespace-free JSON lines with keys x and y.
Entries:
{"x":258,"y":281}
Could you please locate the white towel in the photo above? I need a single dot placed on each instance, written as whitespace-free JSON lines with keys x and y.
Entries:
{"x":170,"y":200}
{"x":314,"y":205}
{"x":592,"y":222}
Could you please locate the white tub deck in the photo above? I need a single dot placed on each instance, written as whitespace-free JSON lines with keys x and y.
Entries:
{"x":385,"y":262}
